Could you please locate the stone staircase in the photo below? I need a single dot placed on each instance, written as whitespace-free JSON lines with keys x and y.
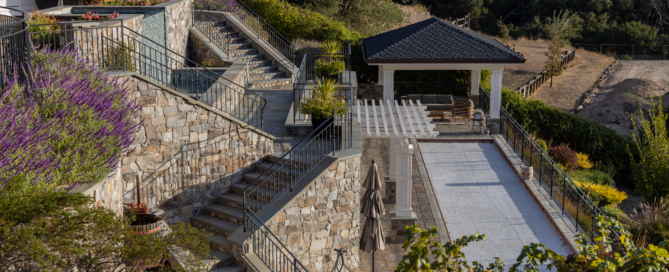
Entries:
{"x":225,"y":217}
{"x":262,"y":72}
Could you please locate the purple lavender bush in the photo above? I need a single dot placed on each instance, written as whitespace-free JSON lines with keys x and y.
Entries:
{"x":72,"y":125}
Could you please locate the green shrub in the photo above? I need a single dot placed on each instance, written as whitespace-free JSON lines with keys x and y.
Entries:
{"x":591,"y":176}
{"x":563,"y":155}
{"x":329,"y":67}
{"x":119,"y":58}
{"x":614,"y":212}
{"x":601,"y":143}
{"x":46,"y":33}
{"x":651,"y":170}
{"x":653,"y":222}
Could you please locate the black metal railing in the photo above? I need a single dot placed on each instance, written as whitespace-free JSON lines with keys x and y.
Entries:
{"x":404,"y":88}
{"x":308,"y":74}
{"x":484,"y":100}
{"x":575,"y":205}
{"x":209,"y":26}
{"x":118,"y":48}
{"x":269,"y":248}
{"x":14,"y":45}
{"x":333,"y":135}
{"x":257,"y":24}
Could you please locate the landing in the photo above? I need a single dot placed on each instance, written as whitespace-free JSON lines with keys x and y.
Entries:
{"x":478,"y":191}
{"x":279,"y":100}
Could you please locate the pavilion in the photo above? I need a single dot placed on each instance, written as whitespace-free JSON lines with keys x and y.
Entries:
{"x":434,"y":44}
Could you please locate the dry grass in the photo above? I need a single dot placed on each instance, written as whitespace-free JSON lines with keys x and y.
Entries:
{"x":517,"y":75}
{"x":578,"y":78}
{"x":414,"y":13}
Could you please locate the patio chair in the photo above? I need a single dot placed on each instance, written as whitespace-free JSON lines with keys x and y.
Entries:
{"x":463,"y":108}
{"x":436,"y":104}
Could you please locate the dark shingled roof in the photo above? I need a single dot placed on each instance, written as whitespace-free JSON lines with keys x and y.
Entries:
{"x":436,"y":41}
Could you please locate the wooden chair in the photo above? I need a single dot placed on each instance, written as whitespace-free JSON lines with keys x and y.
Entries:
{"x":463,"y":108}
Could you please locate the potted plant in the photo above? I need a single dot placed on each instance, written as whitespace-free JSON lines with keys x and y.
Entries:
{"x":330,"y":64}
{"x":323,"y":102}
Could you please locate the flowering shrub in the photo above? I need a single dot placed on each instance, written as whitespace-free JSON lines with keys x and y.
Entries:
{"x":584,"y":160}
{"x":602,"y":192}
{"x":92,"y":16}
{"x":72,"y":125}
{"x":564,"y":156}
{"x":219,"y":5}
{"x":43,"y":27}
{"x":136,"y":2}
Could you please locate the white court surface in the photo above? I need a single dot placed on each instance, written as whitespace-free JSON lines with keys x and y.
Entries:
{"x":478,"y":191}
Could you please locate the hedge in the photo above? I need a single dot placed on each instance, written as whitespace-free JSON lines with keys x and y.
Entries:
{"x":601,"y":143}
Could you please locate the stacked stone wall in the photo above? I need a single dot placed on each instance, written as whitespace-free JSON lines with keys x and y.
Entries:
{"x":177,"y":23}
{"x":324,"y":217}
{"x":186,"y":154}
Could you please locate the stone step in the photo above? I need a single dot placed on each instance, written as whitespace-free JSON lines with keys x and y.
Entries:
{"x":215,"y":225}
{"x":220,"y":242}
{"x":274,"y":183}
{"x":237,"y":39}
{"x":270,"y":83}
{"x":236,"y":200}
{"x":243,"y":52}
{"x":250,"y":57}
{"x":267,"y":75}
{"x":239,"y":45}
{"x":300,"y":161}
{"x":217,"y":259}
{"x":263,"y":69}
{"x":225,"y":212}
{"x":264,"y":194}
{"x":259,"y":63}
{"x":229,"y":269}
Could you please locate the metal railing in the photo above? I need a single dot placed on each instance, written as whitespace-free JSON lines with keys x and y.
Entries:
{"x":484,"y":101}
{"x":14,"y":45}
{"x":575,"y":205}
{"x":628,"y":51}
{"x":118,"y":48}
{"x":308,"y":75}
{"x":333,"y":135}
{"x":210,"y":28}
{"x":269,"y":248}
{"x":257,"y":24}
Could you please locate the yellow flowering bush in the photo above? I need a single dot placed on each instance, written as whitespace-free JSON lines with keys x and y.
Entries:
{"x":602,"y":192}
{"x":584,"y":160}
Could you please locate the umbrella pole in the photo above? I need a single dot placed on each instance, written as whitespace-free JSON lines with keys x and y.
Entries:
{"x":373,"y":249}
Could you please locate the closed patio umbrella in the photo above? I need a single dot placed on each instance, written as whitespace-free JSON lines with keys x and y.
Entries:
{"x":371,"y":238}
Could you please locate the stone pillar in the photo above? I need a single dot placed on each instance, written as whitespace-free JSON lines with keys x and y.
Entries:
{"x":495,"y":93}
{"x":388,"y":85}
{"x":403,"y":156}
{"x":475,"y":81}
{"x":391,"y":187}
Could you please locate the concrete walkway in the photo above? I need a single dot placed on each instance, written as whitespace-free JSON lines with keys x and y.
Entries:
{"x":279,"y":100}
{"x":478,"y":191}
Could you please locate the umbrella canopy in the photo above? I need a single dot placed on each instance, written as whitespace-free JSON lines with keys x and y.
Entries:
{"x":371,"y":238}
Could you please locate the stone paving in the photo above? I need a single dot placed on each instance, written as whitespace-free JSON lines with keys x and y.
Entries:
{"x":279,"y":100}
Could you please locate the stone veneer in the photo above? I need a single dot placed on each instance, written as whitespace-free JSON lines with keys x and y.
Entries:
{"x":369,"y":91}
{"x":186,"y":153}
{"x":107,"y":193}
{"x":177,"y":22}
{"x":323,"y":217}
{"x":198,"y":51}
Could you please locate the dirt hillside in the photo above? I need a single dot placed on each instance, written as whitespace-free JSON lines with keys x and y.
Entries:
{"x":613,"y":108}
{"x":516,"y":75}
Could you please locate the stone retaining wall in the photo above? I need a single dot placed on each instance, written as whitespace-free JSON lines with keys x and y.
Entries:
{"x":369,"y":91}
{"x":177,"y":24}
{"x":186,"y":154}
{"x":108,"y":193}
{"x":199,"y":51}
{"x":324,"y":217}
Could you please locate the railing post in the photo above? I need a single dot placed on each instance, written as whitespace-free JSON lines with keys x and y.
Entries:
{"x":578,"y":202}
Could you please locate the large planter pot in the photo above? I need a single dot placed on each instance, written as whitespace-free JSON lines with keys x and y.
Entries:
{"x":45,"y":4}
{"x":315,"y":122}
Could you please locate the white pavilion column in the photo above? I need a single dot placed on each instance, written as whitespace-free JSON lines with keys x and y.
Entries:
{"x":404,"y":155}
{"x":495,"y":93}
{"x":394,"y":144}
{"x":475,"y":82}
{"x":388,"y":84}
{"x":380,"y":75}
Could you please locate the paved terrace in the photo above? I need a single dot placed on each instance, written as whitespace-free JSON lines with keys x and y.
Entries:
{"x":478,"y":191}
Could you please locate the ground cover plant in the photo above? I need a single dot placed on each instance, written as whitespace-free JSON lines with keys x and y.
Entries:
{"x":71,"y":126}
{"x":602,"y":254}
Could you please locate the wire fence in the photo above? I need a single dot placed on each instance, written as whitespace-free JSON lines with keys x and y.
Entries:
{"x":628,"y":51}
{"x":14,"y":45}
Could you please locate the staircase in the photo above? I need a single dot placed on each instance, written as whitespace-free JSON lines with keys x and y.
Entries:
{"x":262,"y":72}
{"x":225,"y":217}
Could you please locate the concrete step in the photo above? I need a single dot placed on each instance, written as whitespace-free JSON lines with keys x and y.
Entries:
{"x":243,"y":52}
{"x":259,"y":63}
{"x":236,"y":200}
{"x":217,"y":259}
{"x":267,"y":75}
{"x":239,"y":45}
{"x":300,"y":161}
{"x":215,"y":225}
{"x":270,"y":83}
{"x":263,"y":69}
{"x":237,"y":39}
{"x":264,"y":194}
{"x":225,"y":212}
{"x":250,"y":57}
{"x":220,"y":242}
{"x":229,"y":269}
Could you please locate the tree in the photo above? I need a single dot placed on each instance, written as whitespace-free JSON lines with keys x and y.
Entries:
{"x":603,"y":254}
{"x":560,"y":29}
{"x":651,"y":171}
{"x":59,"y":231}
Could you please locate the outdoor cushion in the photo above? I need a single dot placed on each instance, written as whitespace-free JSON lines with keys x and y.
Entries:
{"x":429,"y":99}
{"x":414,"y":97}
{"x":438,"y":107}
{"x":445,"y":99}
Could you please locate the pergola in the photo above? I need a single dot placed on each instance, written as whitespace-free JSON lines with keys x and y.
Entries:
{"x":434,"y":44}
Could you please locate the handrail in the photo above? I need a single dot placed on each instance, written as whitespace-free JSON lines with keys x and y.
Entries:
{"x":16,"y":46}
{"x":555,"y":167}
{"x":209,"y":30}
{"x":257,"y":224}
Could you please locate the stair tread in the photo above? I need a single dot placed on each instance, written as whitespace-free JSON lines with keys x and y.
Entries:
{"x":229,"y":269}
{"x":271,"y":80}
{"x":220,"y":223}
{"x":220,"y":256}
{"x":222,"y":208}
{"x":265,"y":191}
{"x":220,"y":240}
{"x":263,"y":68}
{"x":268,"y":73}
{"x":240,"y":199}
